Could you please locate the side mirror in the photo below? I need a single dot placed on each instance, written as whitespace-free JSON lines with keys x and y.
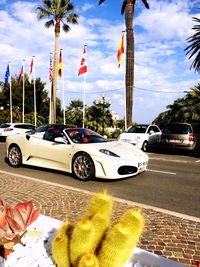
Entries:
{"x":151,"y":132}
{"x":59,"y":140}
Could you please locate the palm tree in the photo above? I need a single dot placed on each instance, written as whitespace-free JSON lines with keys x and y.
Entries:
{"x":194,"y":48}
{"x":128,"y":8}
{"x":57,"y":11}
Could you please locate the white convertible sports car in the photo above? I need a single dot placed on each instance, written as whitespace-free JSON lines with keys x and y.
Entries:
{"x":82,"y":152}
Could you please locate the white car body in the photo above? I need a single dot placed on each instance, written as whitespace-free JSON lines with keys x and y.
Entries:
{"x":60,"y":154}
{"x":142,"y":136}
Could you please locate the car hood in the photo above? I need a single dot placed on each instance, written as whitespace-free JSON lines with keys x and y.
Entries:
{"x":122,"y":149}
{"x":128,"y":137}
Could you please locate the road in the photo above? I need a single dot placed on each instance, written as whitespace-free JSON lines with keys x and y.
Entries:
{"x":172,"y":182}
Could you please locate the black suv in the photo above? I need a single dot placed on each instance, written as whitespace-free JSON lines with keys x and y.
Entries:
{"x":179,"y":135}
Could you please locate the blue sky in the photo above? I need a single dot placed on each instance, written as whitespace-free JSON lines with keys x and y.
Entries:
{"x":162,"y":71}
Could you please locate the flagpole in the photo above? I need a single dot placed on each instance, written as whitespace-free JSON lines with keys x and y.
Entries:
{"x":50,"y":87}
{"x":84,"y":85}
{"x":11,"y":118}
{"x":23,"y":66}
{"x":34,"y":90}
{"x":124,"y":64}
{"x":63,"y":92}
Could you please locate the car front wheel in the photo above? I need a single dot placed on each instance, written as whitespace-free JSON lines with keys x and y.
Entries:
{"x":83,"y":167}
{"x":14,"y":156}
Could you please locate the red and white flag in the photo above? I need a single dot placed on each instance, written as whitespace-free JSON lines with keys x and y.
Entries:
{"x":31,"y":70}
{"x":83,"y":66}
{"x":50,"y":69}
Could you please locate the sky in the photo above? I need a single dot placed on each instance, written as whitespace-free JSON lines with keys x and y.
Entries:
{"x":162,"y":70}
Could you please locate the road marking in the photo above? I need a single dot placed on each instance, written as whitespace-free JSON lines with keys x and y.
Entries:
{"x":197,"y":161}
{"x":171,"y":160}
{"x":172,"y":173}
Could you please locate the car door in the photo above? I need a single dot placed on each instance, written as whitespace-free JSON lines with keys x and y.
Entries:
{"x":54,"y":154}
{"x":154,"y":135}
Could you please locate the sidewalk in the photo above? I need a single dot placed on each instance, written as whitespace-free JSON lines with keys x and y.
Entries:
{"x":173,"y":235}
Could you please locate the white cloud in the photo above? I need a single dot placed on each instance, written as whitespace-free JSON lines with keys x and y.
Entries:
{"x":160,"y":63}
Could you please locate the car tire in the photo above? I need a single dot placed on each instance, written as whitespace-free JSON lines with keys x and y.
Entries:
{"x":14,"y":156}
{"x":145,"y":146}
{"x":83,"y":167}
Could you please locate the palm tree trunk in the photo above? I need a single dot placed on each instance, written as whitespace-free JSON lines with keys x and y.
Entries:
{"x":55,"y":73}
{"x":129,"y":11}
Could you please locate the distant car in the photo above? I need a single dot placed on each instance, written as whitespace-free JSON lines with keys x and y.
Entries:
{"x":179,"y":135}
{"x":82,"y":152}
{"x":142,"y":136}
{"x":7,"y":129}
{"x":58,"y":128}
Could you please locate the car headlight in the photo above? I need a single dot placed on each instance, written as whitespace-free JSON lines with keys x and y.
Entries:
{"x":108,"y":152}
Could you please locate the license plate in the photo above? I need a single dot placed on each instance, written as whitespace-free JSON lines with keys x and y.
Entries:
{"x":175,"y":141}
{"x":141,"y":164}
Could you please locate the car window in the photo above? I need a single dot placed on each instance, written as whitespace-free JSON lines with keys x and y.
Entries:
{"x":5,"y":125}
{"x":137,"y":129}
{"x":23,"y":126}
{"x":155,"y":129}
{"x":84,"y":136}
{"x":178,"y":129}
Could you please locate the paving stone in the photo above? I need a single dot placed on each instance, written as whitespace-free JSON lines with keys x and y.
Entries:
{"x":168,"y":235}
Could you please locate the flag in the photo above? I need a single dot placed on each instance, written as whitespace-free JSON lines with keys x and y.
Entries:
{"x":21,"y":73}
{"x":50,"y":70}
{"x":83,"y":66}
{"x":60,"y":65}
{"x":31,"y":70}
{"x":7,"y":74}
{"x":120,"y":50}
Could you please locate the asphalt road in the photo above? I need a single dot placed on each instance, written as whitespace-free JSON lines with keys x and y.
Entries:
{"x":172,"y":182}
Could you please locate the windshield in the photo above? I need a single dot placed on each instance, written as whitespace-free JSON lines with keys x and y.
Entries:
{"x":84,"y":136}
{"x":42,"y":128}
{"x":137,"y":129}
{"x":177,"y":129}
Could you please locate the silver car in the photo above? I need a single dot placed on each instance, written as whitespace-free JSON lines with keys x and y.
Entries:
{"x":178,"y":135}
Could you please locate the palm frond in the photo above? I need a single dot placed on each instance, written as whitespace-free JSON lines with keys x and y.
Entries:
{"x":193,"y":49}
{"x":66,"y":27}
{"x":43,"y":12}
{"x":47,"y":3}
{"x":101,"y":1}
{"x":72,"y":18}
{"x":123,"y":7}
{"x":49,"y":23}
{"x":146,"y":4}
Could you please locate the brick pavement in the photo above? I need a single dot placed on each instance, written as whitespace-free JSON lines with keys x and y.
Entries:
{"x":172,"y":235}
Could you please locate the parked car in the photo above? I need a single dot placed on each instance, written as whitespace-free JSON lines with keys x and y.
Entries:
{"x":179,"y":135}
{"x":143,"y":136}
{"x":82,"y":152}
{"x":7,"y":129}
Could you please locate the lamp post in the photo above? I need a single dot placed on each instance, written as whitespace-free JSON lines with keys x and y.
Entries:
{"x":104,"y":104}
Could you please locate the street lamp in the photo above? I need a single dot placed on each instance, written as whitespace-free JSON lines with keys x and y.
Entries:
{"x":104,"y":104}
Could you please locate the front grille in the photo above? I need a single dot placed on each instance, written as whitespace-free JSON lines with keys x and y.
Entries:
{"x":123,"y":170}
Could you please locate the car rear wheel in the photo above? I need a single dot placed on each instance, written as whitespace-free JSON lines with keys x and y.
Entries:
{"x":83,"y":167}
{"x":144,"y":146}
{"x":14,"y":156}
